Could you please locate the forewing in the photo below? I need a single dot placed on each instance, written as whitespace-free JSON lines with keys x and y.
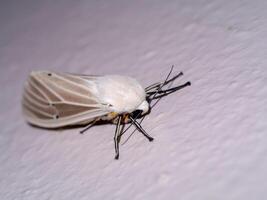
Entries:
{"x":56,"y":99}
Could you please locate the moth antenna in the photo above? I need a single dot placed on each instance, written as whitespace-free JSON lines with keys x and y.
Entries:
{"x":150,"y":87}
{"x":171,"y":90}
{"x":162,"y":84}
{"x":166,"y":82}
{"x":174,"y":78}
{"x":178,"y":88}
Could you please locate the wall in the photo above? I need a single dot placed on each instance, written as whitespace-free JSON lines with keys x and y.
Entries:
{"x":210,"y":139}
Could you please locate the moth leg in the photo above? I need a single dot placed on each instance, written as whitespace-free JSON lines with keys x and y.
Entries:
{"x":117,"y":137}
{"x":121,"y":131}
{"x":140,"y":129}
{"x":88,"y":126}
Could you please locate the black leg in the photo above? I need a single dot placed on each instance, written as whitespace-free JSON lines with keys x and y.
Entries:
{"x":88,"y":126}
{"x":139,"y":127}
{"x":117,"y":138}
{"x":121,"y":131}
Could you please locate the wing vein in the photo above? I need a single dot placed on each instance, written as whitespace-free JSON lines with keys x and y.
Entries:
{"x":36,"y":110}
{"x":78,"y":104}
{"x":69,"y":91}
{"x":39,"y":90}
{"x":33,"y":101}
{"x":72,"y":82}
{"x":50,"y":90}
{"x":28,"y":90}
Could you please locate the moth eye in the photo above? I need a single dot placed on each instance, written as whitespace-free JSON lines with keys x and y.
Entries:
{"x":49,"y":74}
{"x":136,"y":113}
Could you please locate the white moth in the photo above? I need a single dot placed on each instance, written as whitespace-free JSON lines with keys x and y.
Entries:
{"x":53,"y":100}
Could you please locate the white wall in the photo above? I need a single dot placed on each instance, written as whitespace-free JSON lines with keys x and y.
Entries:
{"x":210,"y":139}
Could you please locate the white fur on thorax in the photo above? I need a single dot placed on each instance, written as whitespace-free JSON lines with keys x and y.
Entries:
{"x":123,"y":94}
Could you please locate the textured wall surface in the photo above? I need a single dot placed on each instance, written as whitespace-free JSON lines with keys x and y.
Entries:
{"x":210,"y":139}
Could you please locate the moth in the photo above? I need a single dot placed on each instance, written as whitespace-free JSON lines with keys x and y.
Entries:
{"x":53,"y":100}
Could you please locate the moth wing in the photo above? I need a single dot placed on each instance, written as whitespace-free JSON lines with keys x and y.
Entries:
{"x":53,"y":100}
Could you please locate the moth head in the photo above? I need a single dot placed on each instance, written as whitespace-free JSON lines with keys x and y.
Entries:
{"x":141,"y":110}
